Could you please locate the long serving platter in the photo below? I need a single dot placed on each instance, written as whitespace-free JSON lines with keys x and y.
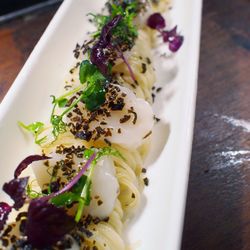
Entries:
{"x":158,"y":223}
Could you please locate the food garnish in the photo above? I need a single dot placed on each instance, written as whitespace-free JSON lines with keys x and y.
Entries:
{"x":56,"y":211}
{"x":156,"y":21}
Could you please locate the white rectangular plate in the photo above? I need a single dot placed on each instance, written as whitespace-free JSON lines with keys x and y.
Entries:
{"x":159,"y":225}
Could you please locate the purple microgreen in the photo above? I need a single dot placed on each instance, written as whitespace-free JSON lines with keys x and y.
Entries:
{"x":105,"y":36}
{"x":46,"y":224}
{"x":27,"y":161}
{"x":99,"y":55}
{"x":5,"y":210}
{"x":121,"y":55}
{"x":167,"y":35}
{"x":176,"y":43}
{"x":80,"y":193}
{"x":54,"y":186}
{"x":156,"y":21}
{"x":77,"y":177}
{"x":16,"y":189}
{"x":78,"y":181}
{"x":174,"y":40}
{"x":74,"y":180}
{"x":71,"y":196}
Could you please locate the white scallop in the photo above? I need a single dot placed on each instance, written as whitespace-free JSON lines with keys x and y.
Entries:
{"x":105,"y":188}
{"x":131,"y":135}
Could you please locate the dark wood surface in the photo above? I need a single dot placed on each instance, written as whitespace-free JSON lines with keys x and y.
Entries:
{"x":17,"y":39}
{"x":218,"y":202}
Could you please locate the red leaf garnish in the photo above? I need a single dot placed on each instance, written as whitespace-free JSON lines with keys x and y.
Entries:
{"x":174,"y":40}
{"x":27,"y":161}
{"x":156,"y":21}
{"x":16,"y":189}
{"x":46,"y":224}
{"x":100,"y":52}
{"x":73,"y":181}
{"x":5,"y":209}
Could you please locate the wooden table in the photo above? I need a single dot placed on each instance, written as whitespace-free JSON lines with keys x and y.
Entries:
{"x":218,"y":202}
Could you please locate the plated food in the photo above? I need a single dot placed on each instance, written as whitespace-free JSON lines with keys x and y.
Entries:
{"x":89,"y":168}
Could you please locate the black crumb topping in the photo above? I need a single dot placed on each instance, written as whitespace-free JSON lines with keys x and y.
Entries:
{"x":147,"y":135}
{"x":92,"y":125}
{"x":144,"y":68}
{"x":146,"y":181}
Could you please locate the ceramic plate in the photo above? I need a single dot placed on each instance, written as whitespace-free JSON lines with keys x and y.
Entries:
{"x":158,"y":224}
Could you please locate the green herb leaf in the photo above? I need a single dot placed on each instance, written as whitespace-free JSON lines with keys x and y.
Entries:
{"x":102,"y":152}
{"x":80,"y":193}
{"x":56,"y":121}
{"x":62,"y":102}
{"x":88,"y":152}
{"x":65,"y":199}
{"x":36,"y":128}
{"x":32,"y":193}
{"x":94,"y":96}
{"x":58,"y":124}
{"x":86,"y":71}
{"x":78,"y":187}
{"x":86,"y":192}
{"x":99,"y":21}
{"x":90,"y":73}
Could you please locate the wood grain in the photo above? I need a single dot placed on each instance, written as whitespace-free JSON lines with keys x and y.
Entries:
{"x":218,"y":202}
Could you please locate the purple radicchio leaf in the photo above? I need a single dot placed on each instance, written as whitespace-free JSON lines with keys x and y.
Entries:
{"x":174,"y":40}
{"x":16,"y":189}
{"x":5,"y":209}
{"x":176,"y":43}
{"x":46,"y":219}
{"x":99,"y":56}
{"x":46,"y":224}
{"x":27,"y":161}
{"x":167,"y":35}
{"x":156,"y":21}
{"x":105,"y":37}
